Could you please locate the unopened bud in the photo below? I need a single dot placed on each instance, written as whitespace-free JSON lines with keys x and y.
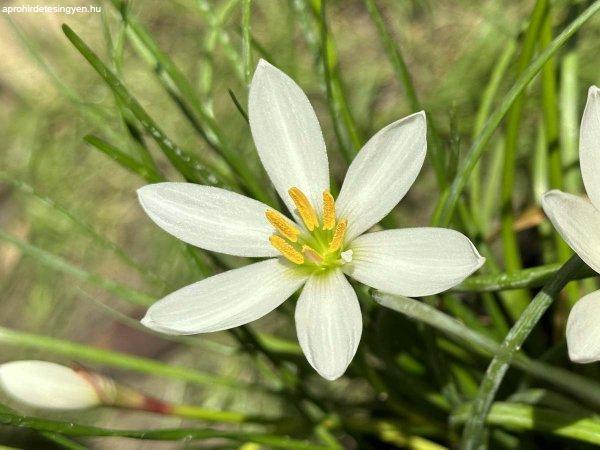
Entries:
{"x":47,"y":385}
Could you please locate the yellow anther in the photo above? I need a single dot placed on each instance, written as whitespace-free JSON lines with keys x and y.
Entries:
{"x":306,"y":211}
{"x":283,"y":225}
{"x":311,"y":254}
{"x":338,"y":235}
{"x":286,"y":249}
{"x":328,"y":211}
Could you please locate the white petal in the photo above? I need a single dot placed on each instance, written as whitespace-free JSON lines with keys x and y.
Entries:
{"x":47,"y":385}
{"x":287,"y":135}
{"x":578,"y":222}
{"x":413,"y":262}
{"x":589,"y":146}
{"x":382,"y":173}
{"x":328,"y":323}
{"x":226,"y":300}
{"x":583,"y":332}
{"x":210,"y":218}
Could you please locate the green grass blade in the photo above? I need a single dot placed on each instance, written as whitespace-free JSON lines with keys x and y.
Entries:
{"x":448,"y":202}
{"x":246,"y":40}
{"x":473,"y":432}
{"x":483,"y":112}
{"x":531,"y":277}
{"x":584,"y":389}
{"x":98,"y":356}
{"x":216,"y":137}
{"x":185,"y":163}
{"x":56,"y":263}
{"x":177,"y":434}
{"x":396,"y":59}
{"x":124,"y":160}
{"x":514,"y":416}
{"x":346,"y":131}
{"x":516,"y":301}
{"x":97,"y":237}
{"x":569,"y":124}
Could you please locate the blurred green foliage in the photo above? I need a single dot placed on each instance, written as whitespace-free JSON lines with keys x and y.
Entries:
{"x":78,"y":258}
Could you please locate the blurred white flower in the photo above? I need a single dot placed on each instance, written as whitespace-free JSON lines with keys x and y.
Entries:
{"x":322,"y":243}
{"x":578,"y":222}
{"x":47,"y":385}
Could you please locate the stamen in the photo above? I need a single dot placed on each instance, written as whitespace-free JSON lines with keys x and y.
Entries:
{"x":286,"y":249}
{"x":338,"y":235}
{"x":282,"y":224}
{"x":306,"y":211}
{"x":311,"y":254}
{"x":328,"y":211}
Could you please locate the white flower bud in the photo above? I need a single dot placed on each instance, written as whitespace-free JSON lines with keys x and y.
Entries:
{"x":47,"y":385}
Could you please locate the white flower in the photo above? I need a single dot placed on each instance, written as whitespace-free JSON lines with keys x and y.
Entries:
{"x":323,"y":243}
{"x":578,"y":222}
{"x":47,"y":385}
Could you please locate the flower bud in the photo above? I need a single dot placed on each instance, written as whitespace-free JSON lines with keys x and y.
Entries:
{"x":47,"y":385}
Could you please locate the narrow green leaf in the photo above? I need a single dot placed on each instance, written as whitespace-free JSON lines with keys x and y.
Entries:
{"x":87,"y":353}
{"x":246,"y":40}
{"x":473,"y":432}
{"x":97,"y":237}
{"x":396,"y":59}
{"x":449,"y":200}
{"x":345,"y":127}
{"x":215,"y":136}
{"x":184,"y":162}
{"x":514,"y":416}
{"x":124,"y":160}
{"x":177,"y":434}
{"x":584,"y":389}
{"x":56,"y":263}
{"x":526,"y":278}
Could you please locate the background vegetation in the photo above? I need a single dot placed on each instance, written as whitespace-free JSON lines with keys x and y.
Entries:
{"x":79,"y":261}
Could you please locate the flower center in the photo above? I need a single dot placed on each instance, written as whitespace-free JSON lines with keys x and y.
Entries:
{"x":318,"y":248}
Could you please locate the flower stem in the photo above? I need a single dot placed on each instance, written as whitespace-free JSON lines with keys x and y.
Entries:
{"x":473,"y":432}
{"x":526,"y":278}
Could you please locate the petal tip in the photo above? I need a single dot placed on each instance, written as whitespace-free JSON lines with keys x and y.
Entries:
{"x":594,"y":91}
{"x":330,"y":375}
{"x":149,"y":323}
{"x":263,"y":63}
{"x":579,"y":357}
{"x":549,"y":197}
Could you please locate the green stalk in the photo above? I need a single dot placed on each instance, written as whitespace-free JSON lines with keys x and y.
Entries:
{"x":192,"y":169}
{"x":524,"y":279}
{"x":551,"y":126}
{"x":345,"y":127}
{"x":473,"y":432}
{"x":246,"y":40}
{"x":97,"y":237}
{"x":82,"y":352}
{"x":584,"y":389}
{"x":483,"y":112}
{"x":123,"y":159}
{"x":447,"y":203}
{"x":394,"y":55}
{"x":569,"y":107}
{"x":177,"y":434}
{"x":519,"y":417}
{"x":215,"y":136}
{"x":56,"y":263}
{"x":518,"y":300}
